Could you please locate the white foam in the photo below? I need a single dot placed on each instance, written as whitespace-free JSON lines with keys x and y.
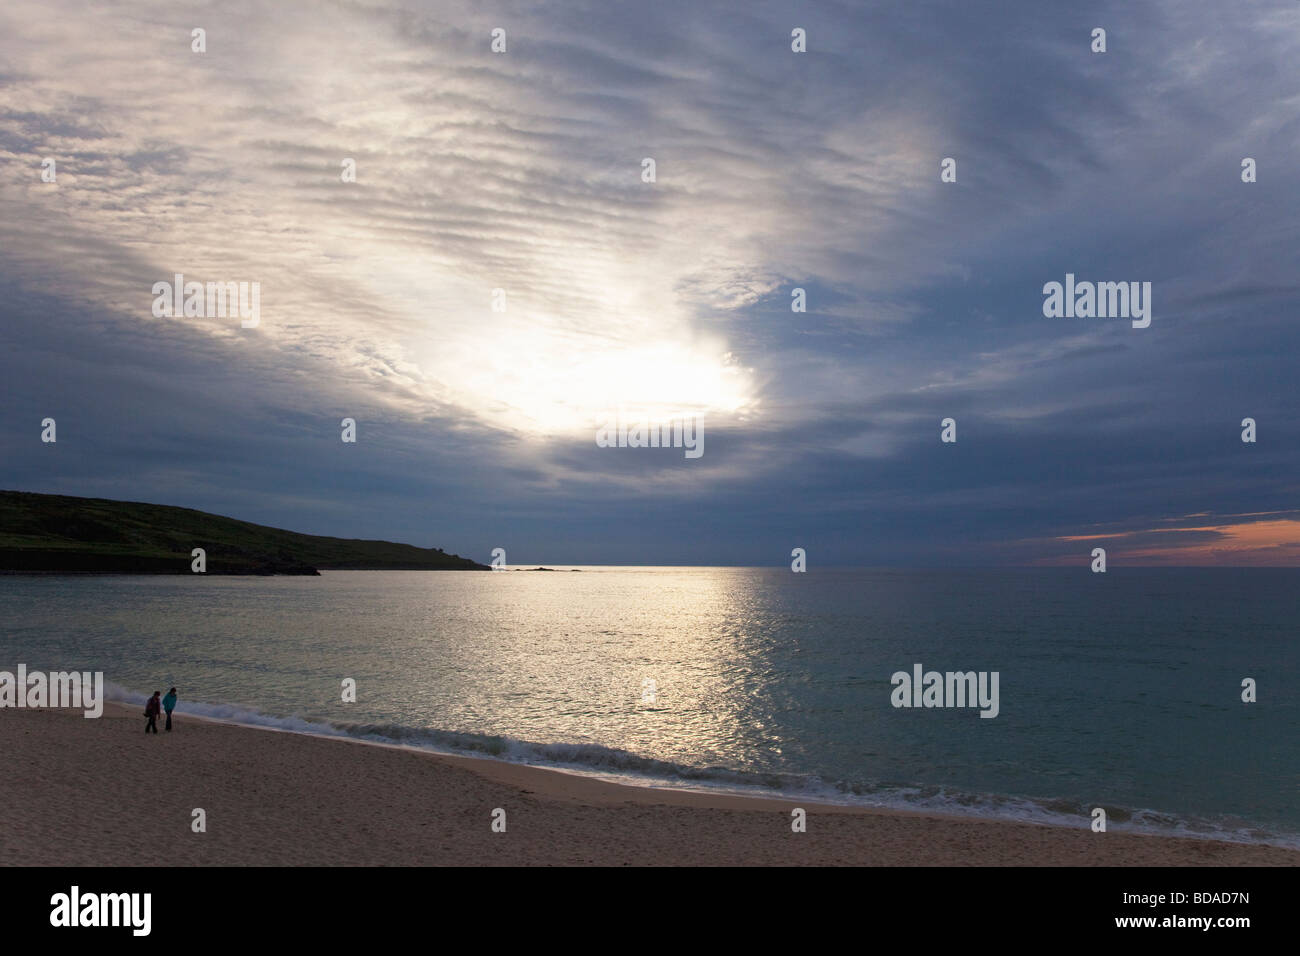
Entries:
{"x":623,"y":767}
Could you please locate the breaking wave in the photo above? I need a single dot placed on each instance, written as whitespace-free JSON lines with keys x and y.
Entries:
{"x":625,"y":767}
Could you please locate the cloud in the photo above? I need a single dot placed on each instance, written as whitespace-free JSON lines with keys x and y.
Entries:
{"x":522,"y":172}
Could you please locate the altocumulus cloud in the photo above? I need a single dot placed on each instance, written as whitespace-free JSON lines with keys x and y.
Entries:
{"x":522,"y":172}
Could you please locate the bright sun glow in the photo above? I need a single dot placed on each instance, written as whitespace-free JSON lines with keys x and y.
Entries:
{"x":531,"y":382}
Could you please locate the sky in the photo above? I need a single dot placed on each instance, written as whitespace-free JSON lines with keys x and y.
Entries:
{"x":667,"y":300}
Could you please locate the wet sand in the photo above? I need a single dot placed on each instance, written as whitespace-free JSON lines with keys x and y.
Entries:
{"x":101,"y":792}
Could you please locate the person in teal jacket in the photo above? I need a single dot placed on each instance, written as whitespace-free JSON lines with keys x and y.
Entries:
{"x":169,"y":704}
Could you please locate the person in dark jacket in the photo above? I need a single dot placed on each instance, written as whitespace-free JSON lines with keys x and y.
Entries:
{"x":151,"y":712}
{"x":169,"y":704}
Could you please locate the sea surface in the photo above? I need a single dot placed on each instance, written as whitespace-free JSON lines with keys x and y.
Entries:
{"x":1119,"y":690}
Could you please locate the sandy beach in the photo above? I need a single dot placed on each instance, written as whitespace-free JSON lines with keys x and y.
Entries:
{"x":101,"y":792}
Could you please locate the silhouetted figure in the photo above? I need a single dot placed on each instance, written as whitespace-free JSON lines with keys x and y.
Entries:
{"x":151,"y":712}
{"x":169,"y":704}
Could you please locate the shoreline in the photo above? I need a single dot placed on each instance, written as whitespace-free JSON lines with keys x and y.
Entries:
{"x":101,"y":792}
{"x":708,"y":797}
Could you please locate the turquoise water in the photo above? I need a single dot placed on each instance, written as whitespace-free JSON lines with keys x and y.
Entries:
{"x":1120,"y":690}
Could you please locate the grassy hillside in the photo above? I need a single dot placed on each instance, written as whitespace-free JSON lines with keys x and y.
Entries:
{"x":54,"y":533}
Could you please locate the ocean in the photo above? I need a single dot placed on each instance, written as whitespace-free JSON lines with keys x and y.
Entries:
{"x":1120,"y":690}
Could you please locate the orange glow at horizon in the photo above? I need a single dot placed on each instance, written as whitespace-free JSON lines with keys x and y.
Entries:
{"x":1258,"y":544}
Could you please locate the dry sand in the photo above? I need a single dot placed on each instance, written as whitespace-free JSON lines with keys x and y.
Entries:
{"x":100,"y":792}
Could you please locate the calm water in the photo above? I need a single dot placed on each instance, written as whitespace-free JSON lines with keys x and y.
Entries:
{"x":1119,"y":690}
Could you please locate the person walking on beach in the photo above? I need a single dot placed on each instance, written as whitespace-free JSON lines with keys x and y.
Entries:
{"x":151,"y":713}
{"x":169,"y":704}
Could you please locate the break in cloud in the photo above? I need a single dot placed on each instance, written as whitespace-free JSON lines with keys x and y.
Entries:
{"x":522,"y":171}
